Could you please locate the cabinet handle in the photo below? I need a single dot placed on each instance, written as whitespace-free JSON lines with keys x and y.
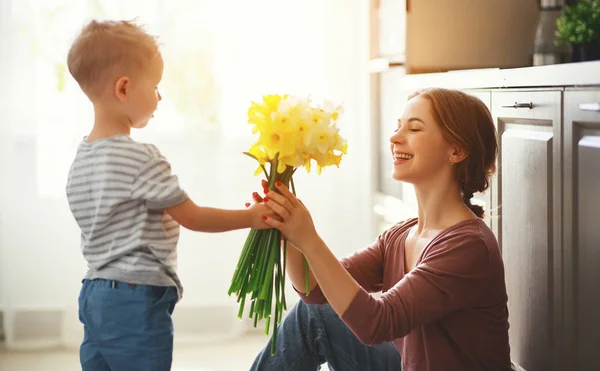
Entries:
{"x":595,"y":107}
{"x":520,"y":105}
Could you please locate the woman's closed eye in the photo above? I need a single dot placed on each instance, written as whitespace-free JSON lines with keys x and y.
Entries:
{"x":410,"y":129}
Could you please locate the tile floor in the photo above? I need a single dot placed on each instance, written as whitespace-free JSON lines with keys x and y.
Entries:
{"x":236,"y":355}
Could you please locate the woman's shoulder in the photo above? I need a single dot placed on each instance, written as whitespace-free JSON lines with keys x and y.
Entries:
{"x":405,"y":224}
{"x":468,"y":229}
{"x":391,"y":238}
{"x":398,"y":229}
{"x":472,"y":233}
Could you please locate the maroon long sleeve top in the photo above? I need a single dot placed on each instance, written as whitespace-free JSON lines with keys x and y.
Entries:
{"x":448,"y":313}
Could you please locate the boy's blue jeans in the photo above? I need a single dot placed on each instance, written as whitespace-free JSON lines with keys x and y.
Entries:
{"x":126,"y":327}
{"x":311,"y":335}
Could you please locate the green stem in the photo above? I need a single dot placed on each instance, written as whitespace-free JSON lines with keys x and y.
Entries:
{"x":267,"y":283}
{"x":241,"y":310}
{"x":307,"y":280}
{"x":265,"y":171}
{"x":261,"y":268}
{"x":283,"y":275}
{"x":259,"y":272}
{"x":252,"y":304}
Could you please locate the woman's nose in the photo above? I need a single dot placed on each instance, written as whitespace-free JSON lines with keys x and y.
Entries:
{"x":397,"y":136}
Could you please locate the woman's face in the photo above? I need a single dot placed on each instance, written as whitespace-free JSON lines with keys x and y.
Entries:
{"x":420,"y":151}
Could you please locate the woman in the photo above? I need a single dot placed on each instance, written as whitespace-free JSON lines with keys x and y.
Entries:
{"x":443,"y":304}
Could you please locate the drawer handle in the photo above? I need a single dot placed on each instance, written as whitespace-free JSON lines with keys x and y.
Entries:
{"x":520,"y":105}
{"x":595,"y":107}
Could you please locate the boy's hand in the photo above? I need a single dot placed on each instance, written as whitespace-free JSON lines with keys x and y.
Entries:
{"x":258,"y":211}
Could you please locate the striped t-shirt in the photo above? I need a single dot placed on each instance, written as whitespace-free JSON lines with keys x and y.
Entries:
{"x":117,"y":190}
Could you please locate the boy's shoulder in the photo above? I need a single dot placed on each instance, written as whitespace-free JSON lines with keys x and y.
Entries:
{"x":123,"y":145}
{"x":148,"y":149}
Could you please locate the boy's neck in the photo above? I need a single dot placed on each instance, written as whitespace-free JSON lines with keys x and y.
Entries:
{"x":107,"y":125}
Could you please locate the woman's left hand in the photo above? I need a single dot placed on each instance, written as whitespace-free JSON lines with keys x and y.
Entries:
{"x":296,"y":223}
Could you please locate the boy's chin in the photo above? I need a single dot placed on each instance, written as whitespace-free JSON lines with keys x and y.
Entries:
{"x":140,"y":125}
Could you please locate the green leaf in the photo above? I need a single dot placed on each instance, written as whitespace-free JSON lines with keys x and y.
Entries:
{"x":579,"y":24}
{"x":251,"y":155}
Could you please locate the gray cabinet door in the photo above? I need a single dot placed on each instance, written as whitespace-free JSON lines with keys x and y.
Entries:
{"x":582,"y":228}
{"x":526,"y":192}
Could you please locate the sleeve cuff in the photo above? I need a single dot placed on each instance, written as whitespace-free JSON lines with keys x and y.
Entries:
{"x":175,"y":200}
{"x":358,"y":315}
{"x":316,"y":296}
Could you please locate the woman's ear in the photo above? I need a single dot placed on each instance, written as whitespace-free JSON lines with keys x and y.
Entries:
{"x":122,"y":87}
{"x":457,"y":154}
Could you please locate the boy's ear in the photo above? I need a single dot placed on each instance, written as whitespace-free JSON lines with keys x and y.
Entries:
{"x":122,"y":87}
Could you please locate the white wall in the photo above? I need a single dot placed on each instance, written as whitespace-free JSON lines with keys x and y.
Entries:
{"x":4,"y":105}
{"x":346,"y":37}
{"x":40,"y":263}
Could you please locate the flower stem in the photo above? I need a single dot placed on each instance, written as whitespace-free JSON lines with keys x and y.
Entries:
{"x":261,"y":268}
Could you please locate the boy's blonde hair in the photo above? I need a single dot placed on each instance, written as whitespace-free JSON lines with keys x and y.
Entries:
{"x":104,"y":48}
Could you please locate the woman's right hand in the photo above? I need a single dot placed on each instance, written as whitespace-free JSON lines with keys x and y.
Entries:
{"x":293,"y":218}
{"x":258,"y":199}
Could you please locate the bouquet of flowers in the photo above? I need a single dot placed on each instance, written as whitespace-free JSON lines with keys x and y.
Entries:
{"x":293,"y":132}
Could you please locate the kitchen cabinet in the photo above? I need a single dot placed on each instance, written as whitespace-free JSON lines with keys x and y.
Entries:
{"x":581,"y":227}
{"x":527,"y":194}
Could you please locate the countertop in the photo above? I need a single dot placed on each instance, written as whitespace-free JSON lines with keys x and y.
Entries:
{"x":568,"y":74}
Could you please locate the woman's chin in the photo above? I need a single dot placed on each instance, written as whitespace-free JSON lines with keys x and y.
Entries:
{"x":401,"y":177}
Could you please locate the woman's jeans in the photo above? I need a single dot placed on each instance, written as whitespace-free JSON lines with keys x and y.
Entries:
{"x":311,"y":335}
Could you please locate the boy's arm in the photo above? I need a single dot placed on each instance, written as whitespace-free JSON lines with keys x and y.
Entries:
{"x":159,"y":188}
{"x":208,"y":219}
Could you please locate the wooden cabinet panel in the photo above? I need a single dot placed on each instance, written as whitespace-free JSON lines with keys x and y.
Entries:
{"x":582,"y":228}
{"x":526,"y":191}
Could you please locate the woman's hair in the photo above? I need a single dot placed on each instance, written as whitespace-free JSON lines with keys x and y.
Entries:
{"x":466,"y":122}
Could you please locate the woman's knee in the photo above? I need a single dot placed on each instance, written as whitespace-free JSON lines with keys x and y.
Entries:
{"x":313,"y":320}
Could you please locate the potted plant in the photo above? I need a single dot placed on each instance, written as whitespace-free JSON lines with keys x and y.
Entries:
{"x":579,"y":26}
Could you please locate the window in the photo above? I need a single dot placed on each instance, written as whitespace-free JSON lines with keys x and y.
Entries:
{"x":213,"y":68}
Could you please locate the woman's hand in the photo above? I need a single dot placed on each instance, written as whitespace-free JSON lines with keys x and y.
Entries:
{"x":295,"y":221}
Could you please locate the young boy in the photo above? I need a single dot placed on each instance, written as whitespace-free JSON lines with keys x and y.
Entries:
{"x":129,"y":206}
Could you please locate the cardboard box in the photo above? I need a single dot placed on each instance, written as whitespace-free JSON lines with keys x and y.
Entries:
{"x":444,"y":35}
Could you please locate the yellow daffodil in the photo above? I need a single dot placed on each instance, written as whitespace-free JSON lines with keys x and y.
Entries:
{"x":292,"y":133}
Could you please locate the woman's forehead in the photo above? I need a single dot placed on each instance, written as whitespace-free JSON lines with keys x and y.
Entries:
{"x":418,"y":107}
